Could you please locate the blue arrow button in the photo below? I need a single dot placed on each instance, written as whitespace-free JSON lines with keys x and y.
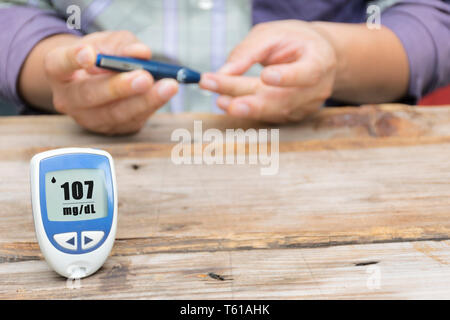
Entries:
{"x":91,"y":239}
{"x":71,"y":241}
{"x":67,"y":240}
{"x":87,"y":240}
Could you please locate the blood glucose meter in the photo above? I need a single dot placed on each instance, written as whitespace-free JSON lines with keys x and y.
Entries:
{"x":74,"y":200}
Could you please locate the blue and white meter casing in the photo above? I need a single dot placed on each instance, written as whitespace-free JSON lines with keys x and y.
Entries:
{"x":74,"y":200}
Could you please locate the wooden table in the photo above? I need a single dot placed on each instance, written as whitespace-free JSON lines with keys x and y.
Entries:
{"x":360,"y":208}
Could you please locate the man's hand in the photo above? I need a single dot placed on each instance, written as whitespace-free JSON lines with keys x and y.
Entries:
{"x":99,"y":100}
{"x":299,"y":73}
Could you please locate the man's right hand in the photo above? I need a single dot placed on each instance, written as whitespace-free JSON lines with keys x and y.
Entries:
{"x":100,"y":100}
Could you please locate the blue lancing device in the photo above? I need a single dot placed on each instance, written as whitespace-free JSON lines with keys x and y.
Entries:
{"x":158,"y":70}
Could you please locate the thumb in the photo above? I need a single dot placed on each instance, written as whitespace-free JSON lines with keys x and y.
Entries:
{"x":62,"y":62}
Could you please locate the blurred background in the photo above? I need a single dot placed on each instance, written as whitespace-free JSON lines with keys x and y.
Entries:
{"x":439,"y":97}
{"x":7,"y":109}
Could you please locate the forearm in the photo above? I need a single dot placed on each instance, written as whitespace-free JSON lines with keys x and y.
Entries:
{"x":33,"y":84}
{"x":372,"y":65}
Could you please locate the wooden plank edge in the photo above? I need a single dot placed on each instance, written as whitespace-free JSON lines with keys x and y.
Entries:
{"x":164,"y":150}
{"x":28,"y":251}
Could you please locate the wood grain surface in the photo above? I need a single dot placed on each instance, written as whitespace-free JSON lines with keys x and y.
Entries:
{"x":359,"y":190}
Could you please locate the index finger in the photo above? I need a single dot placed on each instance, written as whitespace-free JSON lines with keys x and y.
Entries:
{"x":62,"y":62}
{"x":229,"y":85}
{"x":245,"y":55}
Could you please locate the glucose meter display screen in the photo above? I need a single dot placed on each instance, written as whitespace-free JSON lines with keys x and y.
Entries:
{"x":76,"y":194}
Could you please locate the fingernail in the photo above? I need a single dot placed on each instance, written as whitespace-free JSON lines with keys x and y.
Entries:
{"x":240,"y":109}
{"x":209,"y":84}
{"x":85,"y":57}
{"x":166,"y":89}
{"x":223,"y":102}
{"x":272,"y":77}
{"x":140,"y":84}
